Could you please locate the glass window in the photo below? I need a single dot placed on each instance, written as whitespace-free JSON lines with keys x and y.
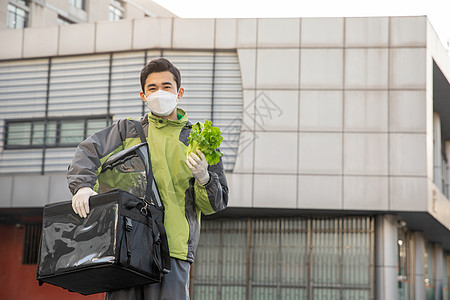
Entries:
{"x":403,"y":257}
{"x":18,"y":134}
{"x":38,"y":133}
{"x":115,"y":10}
{"x":429,"y":272}
{"x":444,"y":168}
{"x":81,"y":4}
{"x":71,"y":132}
{"x":57,"y":133}
{"x":441,"y":177}
{"x":446,"y":284}
{"x":52,"y":129}
{"x":17,"y":15}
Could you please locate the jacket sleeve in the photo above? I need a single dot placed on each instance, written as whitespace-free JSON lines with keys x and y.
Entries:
{"x":90,"y":153}
{"x":212,"y":197}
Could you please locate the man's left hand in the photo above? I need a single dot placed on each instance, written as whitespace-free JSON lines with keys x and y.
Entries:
{"x":198,"y":166}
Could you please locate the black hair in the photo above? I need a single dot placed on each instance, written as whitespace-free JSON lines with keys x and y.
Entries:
{"x":160,"y":65}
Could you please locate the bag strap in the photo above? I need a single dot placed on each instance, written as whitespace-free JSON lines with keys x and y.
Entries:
{"x":162,"y":240}
{"x":152,"y":192}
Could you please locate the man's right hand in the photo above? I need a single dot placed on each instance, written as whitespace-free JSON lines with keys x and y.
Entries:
{"x":80,"y":201}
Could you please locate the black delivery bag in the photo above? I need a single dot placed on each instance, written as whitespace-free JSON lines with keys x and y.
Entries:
{"x":118,"y":245}
{"x":122,"y":241}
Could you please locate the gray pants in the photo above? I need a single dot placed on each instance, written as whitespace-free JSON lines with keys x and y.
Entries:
{"x":174,"y":286}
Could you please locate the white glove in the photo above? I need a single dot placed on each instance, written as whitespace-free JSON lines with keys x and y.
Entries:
{"x":80,"y":201}
{"x":198,"y":166}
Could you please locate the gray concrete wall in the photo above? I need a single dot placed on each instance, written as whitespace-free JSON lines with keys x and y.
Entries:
{"x":33,"y":190}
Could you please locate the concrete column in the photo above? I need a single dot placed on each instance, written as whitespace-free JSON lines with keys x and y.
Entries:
{"x":386,"y":247}
{"x":438,"y":254}
{"x":419,"y":276}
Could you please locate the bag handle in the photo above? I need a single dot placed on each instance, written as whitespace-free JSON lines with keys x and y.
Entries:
{"x":152,"y":192}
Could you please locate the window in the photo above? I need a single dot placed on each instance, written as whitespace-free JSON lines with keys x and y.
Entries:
{"x":404,"y":261}
{"x":444,"y":169}
{"x":81,"y":4}
{"x":441,"y":131}
{"x":17,"y":15}
{"x":446,"y":284}
{"x":429,"y":264}
{"x":31,"y":244}
{"x":286,"y":258}
{"x":68,"y":132}
{"x":441,"y":146}
{"x":115,"y":10}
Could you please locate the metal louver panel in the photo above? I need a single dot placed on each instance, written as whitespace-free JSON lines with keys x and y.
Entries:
{"x":58,"y":159}
{"x":125,"y":85}
{"x":23,"y":88}
{"x":228,"y":104}
{"x":23,"y":91}
{"x":79,"y":85}
{"x":213,"y":91}
{"x":21,"y":161}
{"x":290,"y":258}
{"x":197,"y":78}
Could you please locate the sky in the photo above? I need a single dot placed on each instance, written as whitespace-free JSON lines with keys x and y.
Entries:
{"x":437,"y":11}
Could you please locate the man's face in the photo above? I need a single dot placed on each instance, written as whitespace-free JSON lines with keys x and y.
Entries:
{"x":161,"y":81}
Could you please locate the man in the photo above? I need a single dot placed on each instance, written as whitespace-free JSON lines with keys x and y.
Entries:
{"x":187,"y":186}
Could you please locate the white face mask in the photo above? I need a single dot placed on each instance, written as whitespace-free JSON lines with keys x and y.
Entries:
{"x":161,"y":103}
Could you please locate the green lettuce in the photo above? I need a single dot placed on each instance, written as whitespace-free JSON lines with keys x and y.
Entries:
{"x":207,"y":139}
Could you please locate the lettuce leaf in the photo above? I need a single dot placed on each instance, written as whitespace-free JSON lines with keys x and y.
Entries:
{"x":207,"y":139}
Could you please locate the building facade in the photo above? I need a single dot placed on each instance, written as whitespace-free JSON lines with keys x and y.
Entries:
{"x":18,"y":14}
{"x":335,"y":144}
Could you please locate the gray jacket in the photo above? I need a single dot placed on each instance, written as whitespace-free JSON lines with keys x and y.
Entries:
{"x":182,"y":223}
